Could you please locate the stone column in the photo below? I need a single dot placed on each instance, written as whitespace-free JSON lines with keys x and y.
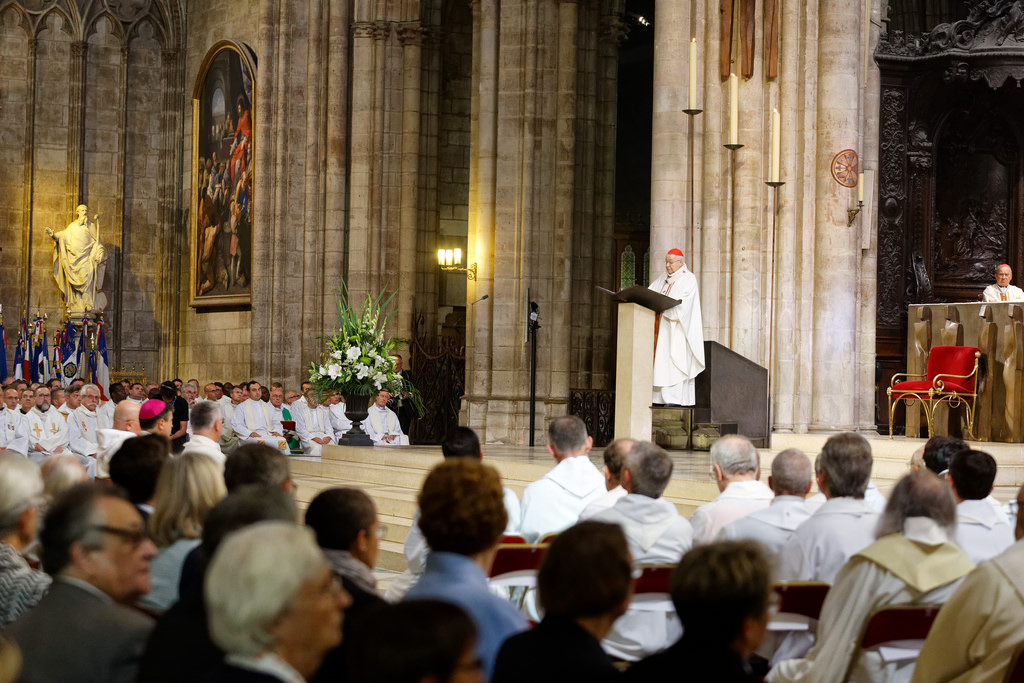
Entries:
{"x":836,"y":262}
{"x":411,"y":35}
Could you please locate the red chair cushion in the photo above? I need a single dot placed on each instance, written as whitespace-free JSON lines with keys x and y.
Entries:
{"x":922,"y":387}
{"x":952,"y":360}
{"x":891,"y":624}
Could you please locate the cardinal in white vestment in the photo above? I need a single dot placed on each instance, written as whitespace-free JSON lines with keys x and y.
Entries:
{"x":253,"y":421}
{"x":382,"y":424}
{"x":678,"y":335}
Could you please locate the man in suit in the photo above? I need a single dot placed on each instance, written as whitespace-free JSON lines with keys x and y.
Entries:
{"x":95,"y":547}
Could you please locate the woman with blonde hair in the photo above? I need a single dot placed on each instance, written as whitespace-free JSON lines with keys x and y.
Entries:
{"x":189,"y":485}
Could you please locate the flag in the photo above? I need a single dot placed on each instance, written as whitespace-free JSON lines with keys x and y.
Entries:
{"x":43,"y":361}
{"x":3,"y":353}
{"x":22,"y":357}
{"x":55,"y":361}
{"x":36,"y":348}
{"x":102,"y":372}
{"x":69,"y":355}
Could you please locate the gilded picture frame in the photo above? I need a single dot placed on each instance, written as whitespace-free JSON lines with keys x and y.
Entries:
{"x":222,"y":209}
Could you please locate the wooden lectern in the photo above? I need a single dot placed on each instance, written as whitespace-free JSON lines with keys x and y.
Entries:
{"x":634,"y":360}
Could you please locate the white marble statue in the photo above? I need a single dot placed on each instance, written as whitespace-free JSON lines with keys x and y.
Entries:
{"x":79,"y":262}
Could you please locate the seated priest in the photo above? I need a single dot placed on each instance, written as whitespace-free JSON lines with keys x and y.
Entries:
{"x":84,"y":422}
{"x":253,"y":421}
{"x":312,"y":424}
{"x":913,"y":562}
{"x":678,"y":335}
{"x":47,"y":428}
{"x":382,"y":424}
{"x":1002,"y":290}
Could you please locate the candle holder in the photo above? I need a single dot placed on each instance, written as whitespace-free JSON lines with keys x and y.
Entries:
{"x":851,"y":214}
{"x":692,"y":112}
{"x":774,"y":183}
{"x":732,"y":147}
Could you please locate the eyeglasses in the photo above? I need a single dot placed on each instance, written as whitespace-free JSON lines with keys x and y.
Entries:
{"x":134,"y":537}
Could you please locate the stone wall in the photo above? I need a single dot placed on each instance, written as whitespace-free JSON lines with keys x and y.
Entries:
{"x":88,"y":117}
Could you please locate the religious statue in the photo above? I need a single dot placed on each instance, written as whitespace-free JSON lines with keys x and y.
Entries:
{"x":79,"y":262}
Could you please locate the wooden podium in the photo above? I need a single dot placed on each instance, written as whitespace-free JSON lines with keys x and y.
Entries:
{"x":634,"y":360}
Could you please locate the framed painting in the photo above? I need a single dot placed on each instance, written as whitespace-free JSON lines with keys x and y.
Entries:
{"x":222,"y":208}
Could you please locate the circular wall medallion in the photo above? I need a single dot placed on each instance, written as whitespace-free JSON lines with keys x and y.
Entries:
{"x":844,"y":168}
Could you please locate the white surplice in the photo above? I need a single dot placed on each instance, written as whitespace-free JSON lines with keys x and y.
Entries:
{"x":49,"y":430}
{"x":819,"y":547}
{"x":981,"y":531}
{"x":381,"y":422}
{"x":679,"y":355}
{"x":255,"y":417}
{"x":82,"y":427}
{"x":206,"y":446}
{"x":312,"y":423}
{"x":554,"y":502}
{"x":771,"y":526}
{"x":14,"y":429}
{"x":603,"y":502}
{"x":657,"y":534}
{"x":739,"y":499}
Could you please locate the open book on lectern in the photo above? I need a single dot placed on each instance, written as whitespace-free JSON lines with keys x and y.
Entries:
{"x":642,"y":296}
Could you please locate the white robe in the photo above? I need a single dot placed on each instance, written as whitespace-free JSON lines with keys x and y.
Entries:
{"x":228,"y":440}
{"x":771,"y":527}
{"x":978,"y":631}
{"x":108,"y":442}
{"x":739,"y":499}
{"x":381,"y":422}
{"x":107,"y":408}
{"x":254,"y":417}
{"x":554,"y":502}
{"x":819,"y":547}
{"x":49,"y":430}
{"x":994,"y":294}
{"x":679,"y":355}
{"x":312,"y":423}
{"x":82,"y":427}
{"x":657,"y":534}
{"x":603,"y":503}
{"x":862,"y":587}
{"x":981,"y":530}
{"x":339,"y":422}
{"x":206,"y":446}
{"x":15,"y":431}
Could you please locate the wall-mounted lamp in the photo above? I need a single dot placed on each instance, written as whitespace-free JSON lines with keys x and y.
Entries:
{"x":451,"y":260}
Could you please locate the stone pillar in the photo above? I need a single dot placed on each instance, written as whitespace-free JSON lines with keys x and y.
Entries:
{"x":411,"y":35}
{"x":836,"y":263}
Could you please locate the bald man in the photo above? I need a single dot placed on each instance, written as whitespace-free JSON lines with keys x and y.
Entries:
{"x":125,"y":426}
{"x":1002,"y":290}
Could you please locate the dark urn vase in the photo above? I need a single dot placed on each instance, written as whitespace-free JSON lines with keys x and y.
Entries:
{"x":356,"y":410}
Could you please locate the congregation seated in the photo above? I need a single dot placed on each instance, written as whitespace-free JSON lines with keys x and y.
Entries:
{"x":21,"y":494}
{"x":736,"y":468}
{"x":187,"y":489}
{"x":136,"y":468}
{"x":983,"y":618}
{"x":61,"y":472}
{"x":584,"y":583}
{"x":721,"y":593}
{"x":13,"y":431}
{"x":180,"y":648}
{"x":346,"y":527}
{"x":772,"y":526}
{"x":554,"y":502}
{"x":462,"y":516}
{"x":982,"y":531}
{"x":416,"y":641}
{"x":257,"y":464}
{"x":657,"y":534}
{"x":913,"y":562}
{"x":274,"y":607}
{"x":253,"y":422}
{"x":613,"y":455}
{"x":382,"y":425}
{"x":207,"y":429}
{"x":312,"y":424}
{"x":126,"y":424}
{"x":94,"y":545}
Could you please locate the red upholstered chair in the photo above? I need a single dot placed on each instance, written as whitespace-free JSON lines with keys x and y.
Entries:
{"x":516,"y":564}
{"x":799,"y":604}
{"x":900,"y":626}
{"x":513,"y":540}
{"x":952,"y":377}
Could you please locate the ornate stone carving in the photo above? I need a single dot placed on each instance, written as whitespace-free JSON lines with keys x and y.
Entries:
{"x":411,"y":33}
{"x":613,"y":29}
{"x":128,"y":10}
{"x":892,"y":194}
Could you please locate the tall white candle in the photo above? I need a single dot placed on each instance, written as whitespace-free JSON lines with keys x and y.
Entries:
{"x":860,"y":187}
{"x":692,"y":105}
{"x":734,"y":109}
{"x":776,"y":145}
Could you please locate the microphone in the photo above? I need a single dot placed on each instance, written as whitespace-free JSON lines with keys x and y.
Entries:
{"x":485,"y":296}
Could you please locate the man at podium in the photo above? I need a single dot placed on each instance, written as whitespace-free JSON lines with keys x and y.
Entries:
{"x":678,"y":335}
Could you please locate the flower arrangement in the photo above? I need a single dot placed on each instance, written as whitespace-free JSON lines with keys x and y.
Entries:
{"x":357,"y":360}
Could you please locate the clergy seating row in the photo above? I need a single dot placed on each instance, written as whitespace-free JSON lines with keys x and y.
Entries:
{"x":799,"y":604}
{"x":898,"y":631}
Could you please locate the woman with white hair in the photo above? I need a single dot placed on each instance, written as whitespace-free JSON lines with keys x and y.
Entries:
{"x":273,"y":604}
{"x":21,"y":493}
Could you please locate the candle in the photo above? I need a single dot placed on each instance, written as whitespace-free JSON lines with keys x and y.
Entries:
{"x":860,"y":188}
{"x":693,"y":75}
{"x":734,"y":109}
{"x":776,"y":145}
